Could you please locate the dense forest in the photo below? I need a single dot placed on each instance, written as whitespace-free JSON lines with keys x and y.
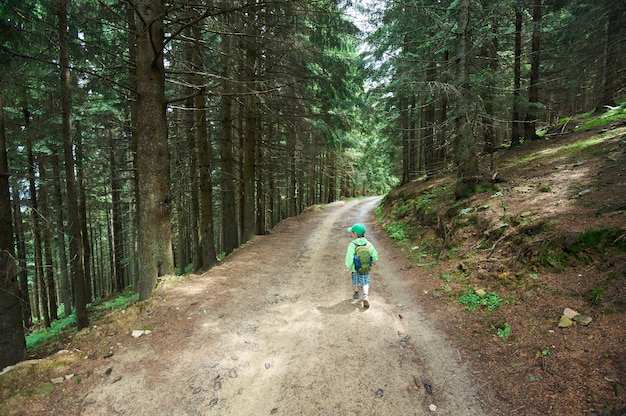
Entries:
{"x":142,"y":138}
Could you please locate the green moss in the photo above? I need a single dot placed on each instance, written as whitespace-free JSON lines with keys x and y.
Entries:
{"x":584,"y":249}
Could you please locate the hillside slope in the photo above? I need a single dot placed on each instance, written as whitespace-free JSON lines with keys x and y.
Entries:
{"x":504,"y":265}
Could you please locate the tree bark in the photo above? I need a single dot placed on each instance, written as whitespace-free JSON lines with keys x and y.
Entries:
{"x":49,"y":284}
{"x":183,"y":181}
{"x":530,"y":128}
{"x":191,"y":132}
{"x":466,"y":156}
{"x":88,"y":262}
{"x":12,"y":343}
{"x":516,"y":123}
{"x":612,"y":40}
{"x":153,"y":166}
{"x":403,"y":104}
{"x":65,"y":283}
{"x":41,"y":304}
{"x":133,"y":106}
{"x":24,"y":291}
{"x":250,"y":137}
{"x":230,"y":236}
{"x":117,"y":248}
{"x":75,"y":235}
{"x":208,"y":255}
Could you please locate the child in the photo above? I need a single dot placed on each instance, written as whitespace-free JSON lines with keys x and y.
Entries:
{"x":359,"y":280}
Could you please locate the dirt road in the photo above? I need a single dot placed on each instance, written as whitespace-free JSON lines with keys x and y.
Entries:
{"x":273,"y":330}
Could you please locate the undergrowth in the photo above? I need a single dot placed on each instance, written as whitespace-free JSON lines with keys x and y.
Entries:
{"x":66,"y":327}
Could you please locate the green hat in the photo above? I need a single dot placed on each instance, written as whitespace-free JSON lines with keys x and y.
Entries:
{"x":358,"y":229}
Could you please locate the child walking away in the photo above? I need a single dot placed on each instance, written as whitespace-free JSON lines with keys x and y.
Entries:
{"x":360,"y":257}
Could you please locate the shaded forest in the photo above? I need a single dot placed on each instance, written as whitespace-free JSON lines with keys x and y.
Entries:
{"x":143,"y":138}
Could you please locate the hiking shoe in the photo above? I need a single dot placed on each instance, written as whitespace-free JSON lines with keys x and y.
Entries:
{"x":366,"y":303}
{"x":356,"y":295}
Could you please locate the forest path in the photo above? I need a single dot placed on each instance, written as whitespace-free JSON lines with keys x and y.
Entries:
{"x":274,"y":330}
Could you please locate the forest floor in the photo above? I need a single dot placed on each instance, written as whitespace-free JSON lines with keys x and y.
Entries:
{"x":274,"y":330}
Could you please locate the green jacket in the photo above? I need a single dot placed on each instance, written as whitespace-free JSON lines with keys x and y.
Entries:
{"x":352,"y":248}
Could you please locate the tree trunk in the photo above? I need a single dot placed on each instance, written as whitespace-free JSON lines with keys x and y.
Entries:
{"x":490,"y":117}
{"x":414,"y":139}
{"x":24,"y":291}
{"x":12,"y":343}
{"x":153,"y":166}
{"x":466,"y":156}
{"x":250,"y":136}
{"x":428,"y":125}
{"x":230,"y":236}
{"x":193,"y":131}
{"x":76,"y":246}
{"x":41,"y":303}
{"x":403,"y":103}
{"x":532,"y":114}
{"x":293,"y":183}
{"x":48,"y":272}
{"x":260,"y":192}
{"x":612,"y":40}
{"x":133,"y":250}
{"x":64,"y":281}
{"x":117,"y":248}
{"x":516,"y":123}
{"x":208,"y":256}
{"x":182,"y":182}
{"x":88,"y":262}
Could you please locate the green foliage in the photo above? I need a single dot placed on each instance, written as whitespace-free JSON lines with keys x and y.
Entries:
{"x":120,"y":302}
{"x":613,"y":114}
{"x":577,"y":117}
{"x":397,"y":230}
{"x":188,"y":269}
{"x":425,"y":249}
{"x":67,"y":325}
{"x":425,"y":201}
{"x":447,"y":277}
{"x":503,"y":330}
{"x":487,"y":187}
{"x":598,"y":239}
{"x":590,"y":238}
{"x":471,"y":300}
{"x":595,"y":295}
{"x":543,"y":353}
{"x":581,"y":147}
{"x":401,"y":209}
{"x":584,"y":248}
{"x":47,"y":334}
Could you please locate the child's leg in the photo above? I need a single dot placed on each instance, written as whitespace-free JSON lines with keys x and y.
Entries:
{"x":355,"y":284}
{"x":366,"y":285}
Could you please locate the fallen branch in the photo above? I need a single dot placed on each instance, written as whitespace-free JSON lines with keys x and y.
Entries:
{"x":493,"y":248}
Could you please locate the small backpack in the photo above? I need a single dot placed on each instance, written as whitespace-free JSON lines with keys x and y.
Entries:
{"x":362,"y":259}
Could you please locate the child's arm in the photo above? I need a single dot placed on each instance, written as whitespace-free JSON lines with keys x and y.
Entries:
{"x":349,"y":261}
